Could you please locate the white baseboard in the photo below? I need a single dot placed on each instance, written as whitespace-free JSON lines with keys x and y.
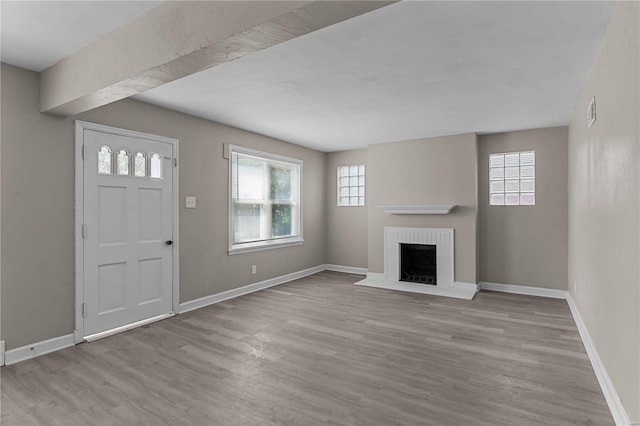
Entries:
{"x":1,"y":353}
{"x":521,"y":289}
{"x":346,"y":269}
{"x":39,"y":348}
{"x":613,"y":400}
{"x":375,"y":276}
{"x":235,"y":292}
{"x":466,"y":286}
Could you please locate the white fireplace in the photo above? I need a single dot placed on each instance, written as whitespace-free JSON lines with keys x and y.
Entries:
{"x":443,"y":239}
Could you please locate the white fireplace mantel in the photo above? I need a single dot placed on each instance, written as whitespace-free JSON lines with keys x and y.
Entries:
{"x":419,"y":209}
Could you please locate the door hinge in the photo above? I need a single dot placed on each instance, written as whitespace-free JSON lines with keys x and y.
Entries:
{"x":84,"y":310}
{"x":84,"y":231}
{"x":84,"y":152}
{"x":175,"y":162}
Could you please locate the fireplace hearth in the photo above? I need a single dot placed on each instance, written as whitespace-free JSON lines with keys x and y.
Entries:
{"x":418,"y":263}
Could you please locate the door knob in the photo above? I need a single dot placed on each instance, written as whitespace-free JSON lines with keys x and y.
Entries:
{"x":168,"y":242}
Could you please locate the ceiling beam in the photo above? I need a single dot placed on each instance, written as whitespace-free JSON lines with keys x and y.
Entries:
{"x":179,"y":38}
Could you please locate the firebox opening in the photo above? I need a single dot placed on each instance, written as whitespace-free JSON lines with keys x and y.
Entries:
{"x":418,"y":263}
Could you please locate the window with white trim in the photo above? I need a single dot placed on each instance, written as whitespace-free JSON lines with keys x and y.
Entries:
{"x":351,"y":185}
{"x":265,"y":200}
{"x":512,"y":179}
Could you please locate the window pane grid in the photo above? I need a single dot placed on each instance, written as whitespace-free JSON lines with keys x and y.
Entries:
{"x":265,"y":195}
{"x":512,"y":179}
{"x":351,"y":182}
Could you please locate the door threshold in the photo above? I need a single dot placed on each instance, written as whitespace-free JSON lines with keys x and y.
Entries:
{"x":96,"y":336}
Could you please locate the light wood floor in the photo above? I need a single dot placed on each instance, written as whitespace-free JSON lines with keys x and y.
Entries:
{"x":323,"y":351}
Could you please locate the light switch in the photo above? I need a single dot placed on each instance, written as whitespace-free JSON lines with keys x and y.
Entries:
{"x":190,"y":202}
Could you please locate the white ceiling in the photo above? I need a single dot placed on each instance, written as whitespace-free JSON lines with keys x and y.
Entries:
{"x":37,"y":34}
{"x":410,"y":70}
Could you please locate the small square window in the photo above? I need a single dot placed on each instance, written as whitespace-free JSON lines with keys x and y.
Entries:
{"x":351,"y":185}
{"x":512,"y":179}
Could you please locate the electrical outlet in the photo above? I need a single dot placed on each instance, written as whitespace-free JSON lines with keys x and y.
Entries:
{"x":254,"y":269}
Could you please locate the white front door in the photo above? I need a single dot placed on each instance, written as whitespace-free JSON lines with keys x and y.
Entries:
{"x":127,"y":232}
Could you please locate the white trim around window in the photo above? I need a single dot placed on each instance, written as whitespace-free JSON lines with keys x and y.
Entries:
{"x":262,"y":198}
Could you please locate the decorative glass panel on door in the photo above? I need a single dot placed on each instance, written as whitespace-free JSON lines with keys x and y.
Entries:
{"x":123,"y":162}
{"x":104,"y":160}
{"x":155,"y":161}
{"x":140,"y":164}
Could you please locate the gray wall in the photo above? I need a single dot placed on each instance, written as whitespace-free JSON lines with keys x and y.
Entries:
{"x":37,"y":215}
{"x":346,"y":226}
{"x":604,"y":206}
{"x":526,"y":245}
{"x":425,"y":171}
{"x":38,"y":202}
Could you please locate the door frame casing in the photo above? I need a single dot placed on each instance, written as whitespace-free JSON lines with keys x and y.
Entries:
{"x":80,"y":127}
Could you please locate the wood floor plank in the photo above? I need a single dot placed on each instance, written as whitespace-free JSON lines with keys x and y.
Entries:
{"x":321,"y":351}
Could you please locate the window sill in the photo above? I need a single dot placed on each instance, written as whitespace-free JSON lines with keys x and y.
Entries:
{"x":264,"y":245}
